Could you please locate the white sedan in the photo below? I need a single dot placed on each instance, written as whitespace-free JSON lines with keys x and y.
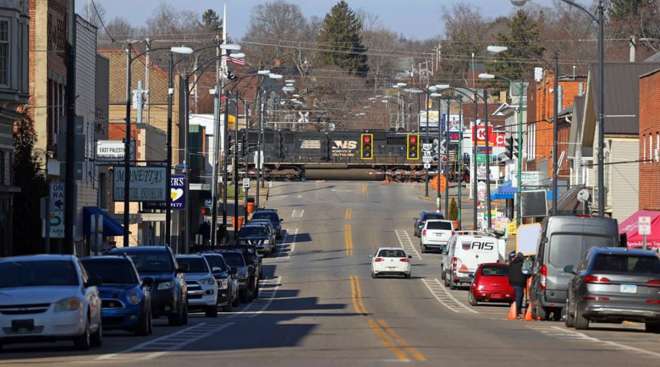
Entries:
{"x":48,"y":297}
{"x":390,"y":261}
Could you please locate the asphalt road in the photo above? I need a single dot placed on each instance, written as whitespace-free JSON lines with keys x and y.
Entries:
{"x":319,"y":305}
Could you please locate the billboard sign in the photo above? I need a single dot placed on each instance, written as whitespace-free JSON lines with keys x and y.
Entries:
{"x":495,"y":139}
{"x":147,"y":183}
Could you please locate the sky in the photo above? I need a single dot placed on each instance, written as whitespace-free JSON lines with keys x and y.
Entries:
{"x":416,"y":19}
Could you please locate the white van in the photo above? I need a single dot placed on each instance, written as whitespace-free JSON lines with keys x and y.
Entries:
{"x":436,"y":234}
{"x":466,"y":251}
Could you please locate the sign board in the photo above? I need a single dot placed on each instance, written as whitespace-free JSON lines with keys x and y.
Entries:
{"x":246,"y":183}
{"x":177,"y":197}
{"x":147,"y":183}
{"x":427,"y":165}
{"x":56,"y":210}
{"x":528,"y":238}
{"x":256,"y":158}
{"x":532,"y":178}
{"x":112,"y":150}
{"x":644,"y":226}
{"x":495,"y":139}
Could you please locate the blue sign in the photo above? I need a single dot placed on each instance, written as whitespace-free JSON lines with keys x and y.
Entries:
{"x":178,"y":184}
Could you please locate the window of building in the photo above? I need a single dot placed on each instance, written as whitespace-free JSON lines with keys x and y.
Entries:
{"x":531,"y":142}
{"x":3,"y":169}
{"x":657,"y":147}
{"x":650,"y":147}
{"x":4,"y":52}
{"x":643,"y":153}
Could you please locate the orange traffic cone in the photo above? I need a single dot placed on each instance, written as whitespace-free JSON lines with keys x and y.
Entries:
{"x":528,"y":314}
{"x":512,"y":312}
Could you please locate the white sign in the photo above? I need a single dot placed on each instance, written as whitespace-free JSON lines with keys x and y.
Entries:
{"x":427,"y":147}
{"x":146,"y":183}
{"x":481,"y":189}
{"x":246,"y":183}
{"x":532,"y":178}
{"x":427,"y":165}
{"x":111,"y":150}
{"x":644,"y":226}
{"x":56,"y":210}
{"x":256,"y":157}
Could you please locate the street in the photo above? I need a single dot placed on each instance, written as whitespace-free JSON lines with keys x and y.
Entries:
{"x":319,"y":306}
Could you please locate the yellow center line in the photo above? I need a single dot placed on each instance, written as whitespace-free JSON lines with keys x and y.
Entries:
{"x":348,"y":214}
{"x":416,"y":354}
{"x":400,"y":354}
{"x":365,"y":188}
{"x":348,"y":240}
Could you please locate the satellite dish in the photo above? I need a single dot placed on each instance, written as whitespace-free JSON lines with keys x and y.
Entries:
{"x":583,"y":195}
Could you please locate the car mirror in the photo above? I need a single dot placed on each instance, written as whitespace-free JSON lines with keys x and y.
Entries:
{"x":281,"y":220}
{"x":147,"y":282}
{"x":569,"y":269}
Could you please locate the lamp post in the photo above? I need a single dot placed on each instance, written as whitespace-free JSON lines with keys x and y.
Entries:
{"x":263,"y":74}
{"x":599,"y":19}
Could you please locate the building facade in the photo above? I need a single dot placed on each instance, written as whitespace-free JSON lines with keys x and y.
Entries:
{"x":13,"y":96}
{"x":649,"y":141}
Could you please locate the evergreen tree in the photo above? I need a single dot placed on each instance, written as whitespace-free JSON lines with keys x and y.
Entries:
{"x":523,"y":40}
{"x":27,"y":222}
{"x":341,"y":36}
{"x":211,"y":20}
{"x":453,"y":209}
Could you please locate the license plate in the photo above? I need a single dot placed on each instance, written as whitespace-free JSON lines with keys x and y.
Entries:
{"x":391,"y":267}
{"x":628,"y":288}
{"x":22,"y":326}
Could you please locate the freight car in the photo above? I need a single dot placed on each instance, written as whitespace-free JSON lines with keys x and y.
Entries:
{"x":295,"y":155}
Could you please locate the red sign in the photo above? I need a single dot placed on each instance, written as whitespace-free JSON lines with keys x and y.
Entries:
{"x":495,"y":139}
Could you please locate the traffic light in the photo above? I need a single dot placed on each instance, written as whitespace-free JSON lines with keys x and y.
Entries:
{"x":366,"y":146}
{"x":412,"y":147}
{"x":509,"y":147}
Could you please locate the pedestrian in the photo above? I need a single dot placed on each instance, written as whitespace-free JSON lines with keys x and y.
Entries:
{"x":517,"y":278}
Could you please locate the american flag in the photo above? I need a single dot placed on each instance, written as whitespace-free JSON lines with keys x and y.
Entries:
{"x":236,"y":61}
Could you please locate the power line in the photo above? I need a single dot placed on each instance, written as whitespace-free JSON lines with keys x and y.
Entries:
{"x":101,"y":21}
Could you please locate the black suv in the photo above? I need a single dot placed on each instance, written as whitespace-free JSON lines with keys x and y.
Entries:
{"x":246,"y":271}
{"x":168,"y":291}
{"x":273,"y":217}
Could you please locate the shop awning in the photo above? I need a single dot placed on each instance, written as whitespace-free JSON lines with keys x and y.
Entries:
{"x":111,"y":227}
{"x":629,"y":227}
{"x":505,"y":191}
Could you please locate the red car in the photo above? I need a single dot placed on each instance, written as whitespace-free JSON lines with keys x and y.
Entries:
{"x":491,"y":284}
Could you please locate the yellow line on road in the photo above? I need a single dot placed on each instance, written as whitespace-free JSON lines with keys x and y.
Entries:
{"x":417,"y":355}
{"x":348,"y":214}
{"x":365,"y":188}
{"x":348,"y":239}
{"x":400,"y":354}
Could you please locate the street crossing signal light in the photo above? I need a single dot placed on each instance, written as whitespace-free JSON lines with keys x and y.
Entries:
{"x":509,"y":147}
{"x":412,"y":147}
{"x":367,"y":146}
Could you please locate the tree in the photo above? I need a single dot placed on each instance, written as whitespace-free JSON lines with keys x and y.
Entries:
{"x":211,"y":21}
{"x":120,"y":29}
{"x":523,"y":40}
{"x":93,"y":13}
{"x":638,"y":18}
{"x":341,"y":40}
{"x":453,"y":210}
{"x":27,"y":236}
{"x":169,"y":22}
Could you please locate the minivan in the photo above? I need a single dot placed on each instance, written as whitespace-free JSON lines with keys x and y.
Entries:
{"x":565,"y":240}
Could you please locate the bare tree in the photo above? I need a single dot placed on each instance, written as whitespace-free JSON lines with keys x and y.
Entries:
{"x":93,"y":12}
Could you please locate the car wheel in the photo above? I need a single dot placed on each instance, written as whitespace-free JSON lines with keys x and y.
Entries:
{"x":84,"y":341}
{"x":97,"y":338}
{"x":243,"y":295}
{"x":211,"y":311}
{"x":471,"y":300}
{"x":446,"y":278}
{"x":408,"y":275}
{"x":570,"y":319}
{"x":652,"y":327}
{"x":422,"y":248}
{"x":143,"y":327}
{"x":581,"y":323}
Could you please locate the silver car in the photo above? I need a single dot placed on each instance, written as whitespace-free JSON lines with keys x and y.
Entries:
{"x":613,"y":285}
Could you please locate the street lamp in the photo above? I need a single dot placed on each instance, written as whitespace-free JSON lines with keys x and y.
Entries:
{"x":599,"y":19}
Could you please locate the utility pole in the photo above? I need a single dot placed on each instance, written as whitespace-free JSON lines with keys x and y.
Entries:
{"x":168,"y":172}
{"x":474,"y":181}
{"x":446,"y":156}
{"x":127,"y":147}
{"x":519,"y":138}
{"x":216,"y":146}
{"x":186,"y":164}
{"x":259,"y":142}
{"x":488,"y":214}
{"x":426,"y":141}
{"x":67,"y":246}
{"x":459,"y":157}
{"x":225,"y":161}
{"x":555,"y":133}
{"x":437,"y":197}
{"x":236,"y":187}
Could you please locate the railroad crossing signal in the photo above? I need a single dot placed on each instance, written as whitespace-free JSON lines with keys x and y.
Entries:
{"x":367,"y":146}
{"x":412,"y":147}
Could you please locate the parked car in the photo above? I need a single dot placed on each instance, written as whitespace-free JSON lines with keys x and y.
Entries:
{"x":273,"y":217}
{"x":49,"y":298}
{"x":465,"y":252}
{"x":390,"y":261}
{"x":168,"y":292}
{"x":425,"y":215}
{"x":247,"y":281}
{"x":565,"y":240}
{"x":491,"y":284}
{"x":225,"y":276}
{"x":252,"y":257}
{"x":259,"y":236}
{"x":613,"y":285}
{"x":267,"y":223}
{"x":436,"y":234}
{"x":125,"y":299}
{"x":201,"y":284}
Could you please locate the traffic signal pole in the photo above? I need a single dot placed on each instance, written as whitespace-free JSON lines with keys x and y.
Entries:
{"x":447,"y":160}
{"x":426,"y":140}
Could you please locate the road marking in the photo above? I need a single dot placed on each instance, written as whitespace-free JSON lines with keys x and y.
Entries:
{"x":348,"y":239}
{"x":356,"y":295}
{"x":348,"y":214}
{"x":365,"y":188}
{"x":442,"y":295}
{"x":412,"y":351}
{"x":571,"y":335}
{"x":387,"y":342}
{"x":406,"y":243}
{"x":297,"y":213}
{"x":291,"y":243}
{"x":188,"y":341}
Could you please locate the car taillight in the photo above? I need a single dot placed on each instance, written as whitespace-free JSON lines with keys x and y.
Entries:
{"x":424,"y":233}
{"x":544,"y":275}
{"x":378,"y":259}
{"x":404,"y":259}
{"x":653,"y":283}
{"x":653,"y":301}
{"x":595,"y":279}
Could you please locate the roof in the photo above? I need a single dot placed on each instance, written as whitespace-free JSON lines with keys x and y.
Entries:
{"x":621,"y":95}
{"x":653,"y":58}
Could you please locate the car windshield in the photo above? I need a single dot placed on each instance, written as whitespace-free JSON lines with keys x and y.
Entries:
{"x":494,"y":270}
{"x":192,"y":264}
{"x":391,"y":253}
{"x":253,"y":231}
{"x":216,"y":261}
{"x":14,"y":274}
{"x":152,"y":262}
{"x":439,"y":225}
{"x":569,"y":249}
{"x":272,"y":217}
{"x":626,"y":264}
{"x":111,"y":271}
{"x":234,"y":259}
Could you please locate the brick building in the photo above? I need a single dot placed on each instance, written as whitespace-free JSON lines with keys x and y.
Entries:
{"x":649,"y":141}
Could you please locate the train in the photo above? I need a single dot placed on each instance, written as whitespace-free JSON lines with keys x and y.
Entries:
{"x":303,"y":155}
